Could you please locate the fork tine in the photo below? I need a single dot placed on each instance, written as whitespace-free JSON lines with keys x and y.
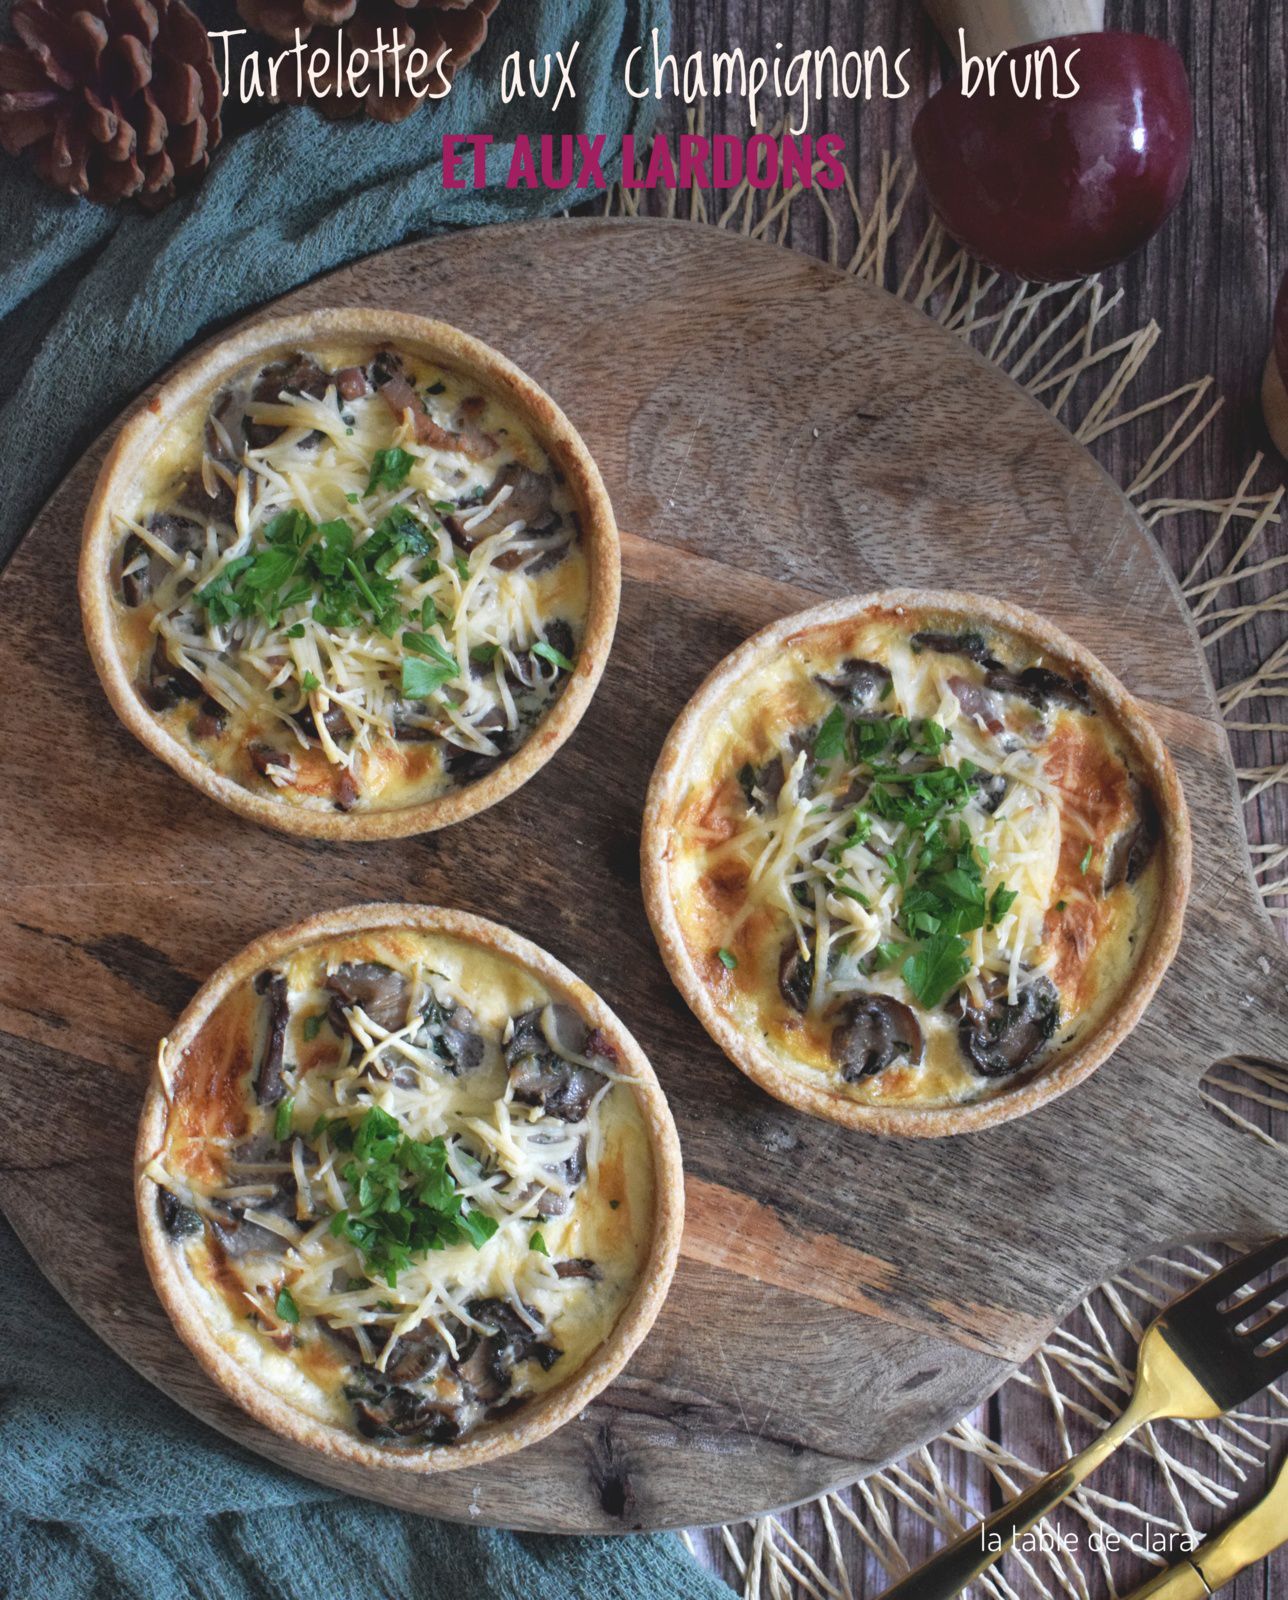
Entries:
{"x":1237,"y":1276}
{"x":1259,"y":1301}
{"x":1268,"y":1329}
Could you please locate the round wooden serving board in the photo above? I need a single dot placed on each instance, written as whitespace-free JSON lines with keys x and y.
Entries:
{"x":772,"y":433}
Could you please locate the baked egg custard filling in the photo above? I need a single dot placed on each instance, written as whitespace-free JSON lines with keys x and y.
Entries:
{"x":407,"y":1189}
{"x":913,"y":860}
{"x":353,"y":582}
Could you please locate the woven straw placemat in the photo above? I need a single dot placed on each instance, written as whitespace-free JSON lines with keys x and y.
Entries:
{"x":1066,"y":345}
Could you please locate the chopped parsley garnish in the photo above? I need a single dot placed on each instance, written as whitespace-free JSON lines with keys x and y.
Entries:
{"x":420,"y":677}
{"x":727,"y":959}
{"x":313,"y":1024}
{"x":389,"y":469}
{"x":403,"y":1198}
{"x":310,"y":681}
{"x":895,"y":765}
{"x":556,"y":658}
{"x":537,"y":1243}
{"x":829,"y":742}
{"x":1086,"y":861}
{"x":286,"y":1308}
{"x":345,"y":584}
{"x":282,"y":1119}
{"x":934,"y":971}
{"x":1002,"y":901}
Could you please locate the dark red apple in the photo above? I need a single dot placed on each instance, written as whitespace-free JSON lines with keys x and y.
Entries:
{"x":1054,"y":189}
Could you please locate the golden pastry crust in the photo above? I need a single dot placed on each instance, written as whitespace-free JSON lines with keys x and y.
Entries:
{"x":174,"y":1281}
{"x":683,"y":773}
{"x":191,"y":388}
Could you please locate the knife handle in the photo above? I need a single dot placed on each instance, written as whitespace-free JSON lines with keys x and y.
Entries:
{"x":948,"y":1573}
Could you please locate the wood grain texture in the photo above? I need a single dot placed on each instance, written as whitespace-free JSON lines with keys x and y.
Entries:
{"x":773,"y":433}
{"x":1209,"y":280}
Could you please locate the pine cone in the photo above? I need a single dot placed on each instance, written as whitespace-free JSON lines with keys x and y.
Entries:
{"x":459,"y":25}
{"x":110,"y":98}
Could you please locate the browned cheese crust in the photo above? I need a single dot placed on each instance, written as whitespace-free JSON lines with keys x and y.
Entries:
{"x":916,"y":860}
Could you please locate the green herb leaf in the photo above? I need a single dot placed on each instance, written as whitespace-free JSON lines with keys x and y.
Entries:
{"x":936,"y":969}
{"x":1086,"y":860}
{"x":728,"y":959}
{"x":309,"y":682}
{"x":425,"y":644}
{"x":282,"y":1119}
{"x":389,"y":469}
{"x":477,"y":1227}
{"x":830,"y":739}
{"x":421,"y":679}
{"x":556,"y":658}
{"x":537,"y":1243}
{"x":1002,"y":901}
{"x":286,"y":1308}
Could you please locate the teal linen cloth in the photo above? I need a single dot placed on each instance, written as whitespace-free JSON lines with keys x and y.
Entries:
{"x":94,"y":303}
{"x":107,"y":1488}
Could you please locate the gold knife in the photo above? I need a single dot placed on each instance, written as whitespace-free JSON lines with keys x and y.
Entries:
{"x":1222,"y":1559}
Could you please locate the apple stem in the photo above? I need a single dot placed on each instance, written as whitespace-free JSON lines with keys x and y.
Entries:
{"x":995,"y":25}
{"x":1274,"y":403}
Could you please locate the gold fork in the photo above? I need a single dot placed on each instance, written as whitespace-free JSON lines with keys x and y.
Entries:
{"x":1210,"y":1351}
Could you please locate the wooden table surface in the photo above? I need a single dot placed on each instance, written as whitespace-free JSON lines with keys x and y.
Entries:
{"x":1208,"y":279}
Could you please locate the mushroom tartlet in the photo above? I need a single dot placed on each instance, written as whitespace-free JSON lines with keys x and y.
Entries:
{"x":407,"y":1188}
{"x":352,"y":573}
{"x":917,"y":861}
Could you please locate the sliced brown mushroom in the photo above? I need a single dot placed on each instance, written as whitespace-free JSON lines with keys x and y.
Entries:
{"x":298,"y":374}
{"x":410,"y":1414}
{"x":142,"y":569}
{"x":332,"y":719}
{"x":795,"y":977}
{"x":761,"y":786}
{"x":415,"y":1355}
{"x":528,"y":501}
{"x":578,"y":1267}
{"x":540,"y":1074}
{"x":859,"y":684}
{"x":970,"y":644}
{"x":1042,"y":688}
{"x":380,"y":991}
{"x":992,"y":787}
{"x":998,"y":1038}
{"x":978,"y":703}
{"x":486,"y":1361}
{"x":167,"y":684}
{"x":1132,"y":849}
{"x":874,"y":1030}
{"x":269,"y":1084}
{"x":178,"y":1220}
{"x":452,"y":1035}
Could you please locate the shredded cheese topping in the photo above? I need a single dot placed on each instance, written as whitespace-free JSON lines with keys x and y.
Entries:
{"x":910,"y":861}
{"x":364,"y":1138}
{"x":451,"y":545}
